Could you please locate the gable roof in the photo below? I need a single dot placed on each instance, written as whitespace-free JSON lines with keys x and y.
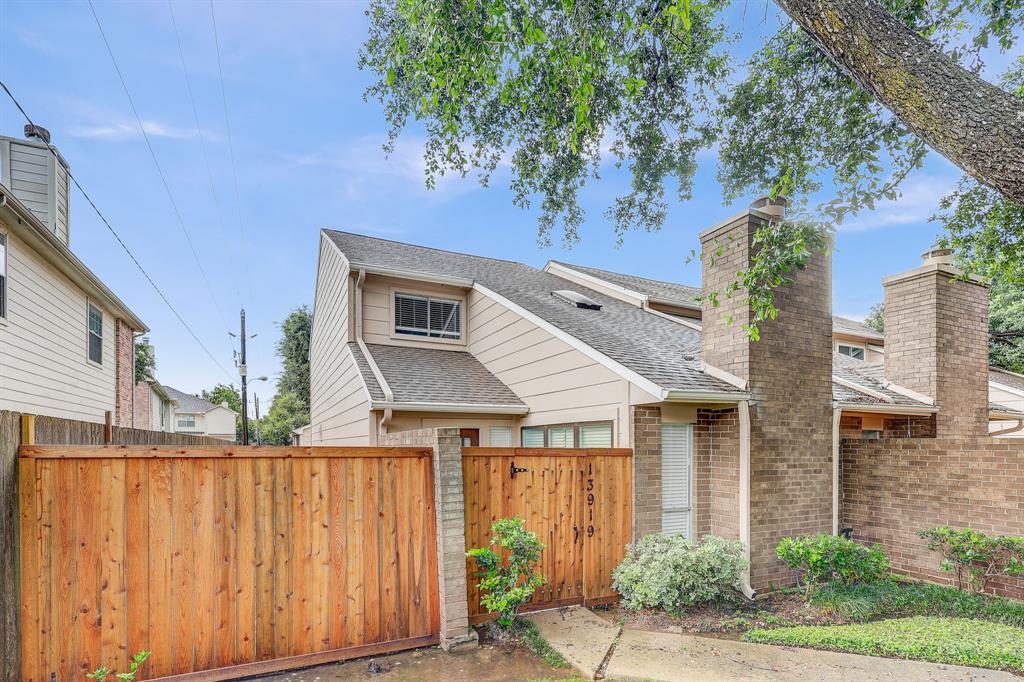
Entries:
{"x":659,"y":290}
{"x":433,"y":376}
{"x":190,"y":403}
{"x":658,"y":350}
{"x":848,"y":326}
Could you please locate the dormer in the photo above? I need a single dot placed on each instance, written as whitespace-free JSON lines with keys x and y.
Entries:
{"x":38,"y":176}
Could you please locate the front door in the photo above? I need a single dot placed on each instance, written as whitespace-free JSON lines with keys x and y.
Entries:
{"x":470,"y":438}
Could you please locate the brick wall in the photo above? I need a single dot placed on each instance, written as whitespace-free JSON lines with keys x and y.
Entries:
{"x":892,"y":488}
{"x":716,"y":473}
{"x":142,"y":404}
{"x":789,"y":372}
{"x":646,"y":424}
{"x":124,"y":373}
{"x":449,"y":505}
{"x":936,"y":343}
{"x":910,"y":426}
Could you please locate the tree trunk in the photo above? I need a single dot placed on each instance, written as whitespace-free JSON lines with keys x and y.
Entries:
{"x":974,"y":124}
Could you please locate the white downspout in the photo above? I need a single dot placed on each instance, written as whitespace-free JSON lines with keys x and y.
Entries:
{"x":837,"y":415}
{"x":744,"y":414}
{"x":389,"y":396}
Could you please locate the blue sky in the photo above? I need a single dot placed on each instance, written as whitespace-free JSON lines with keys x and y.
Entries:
{"x":307,"y":151}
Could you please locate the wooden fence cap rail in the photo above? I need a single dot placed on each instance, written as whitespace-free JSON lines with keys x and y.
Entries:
{"x":546,"y":452}
{"x":212,"y":451}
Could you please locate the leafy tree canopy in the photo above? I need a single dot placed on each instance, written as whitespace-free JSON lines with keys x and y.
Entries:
{"x":293,"y":349}
{"x":1006,"y":326}
{"x":145,"y":362}
{"x":876,"y":318}
{"x":551,"y":87}
{"x":287,"y":413}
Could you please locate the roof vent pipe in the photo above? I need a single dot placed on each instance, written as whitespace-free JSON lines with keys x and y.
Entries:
{"x":34,"y":132}
{"x":774,"y":207}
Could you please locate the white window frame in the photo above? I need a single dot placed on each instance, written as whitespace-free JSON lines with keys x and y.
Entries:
{"x":575,"y":426}
{"x":5,"y":272}
{"x":89,"y":307}
{"x":853,"y":346}
{"x":689,"y":535}
{"x":504,"y":431}
{"x":179,"y":425}
{"x":393,"y":332}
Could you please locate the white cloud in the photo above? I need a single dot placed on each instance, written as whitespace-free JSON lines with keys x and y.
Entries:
{"x":124,"y":130}
{"x":917,"y":203}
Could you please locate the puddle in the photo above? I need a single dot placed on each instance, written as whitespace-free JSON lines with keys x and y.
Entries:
{"x":486,"y":663}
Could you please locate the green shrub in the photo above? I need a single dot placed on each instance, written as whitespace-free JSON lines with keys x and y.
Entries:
{"x":100,"y":674}
{"x":826,"y":558}
{"x":940,"y":640}
{"x":894,"y":600}
{"x":975,"y":558}
{"x":670,"y":572}
{"x":508,"y":584}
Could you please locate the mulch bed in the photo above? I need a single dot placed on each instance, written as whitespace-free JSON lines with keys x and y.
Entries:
{"x":776,"y":610}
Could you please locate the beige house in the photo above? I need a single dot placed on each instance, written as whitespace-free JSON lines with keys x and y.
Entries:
{"x":198,"y":416}
{"x":66,"y":340}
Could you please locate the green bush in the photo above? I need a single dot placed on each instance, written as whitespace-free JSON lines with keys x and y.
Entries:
{"x":670,"y":572}
{"x":940,"y":640}
{"x":508,"y":584}
{"x":894,"y":600}
{"x":826,"y":558}
{"x":100,"y":674}
{"x":975,"y":558}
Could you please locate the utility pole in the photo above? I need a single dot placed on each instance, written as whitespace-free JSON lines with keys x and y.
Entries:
{"x":241,"y":373}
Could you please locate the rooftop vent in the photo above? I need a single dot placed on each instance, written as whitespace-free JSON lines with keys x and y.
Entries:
{"x":577,"y":299}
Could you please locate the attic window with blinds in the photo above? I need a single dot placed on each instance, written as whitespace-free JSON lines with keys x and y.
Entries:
{"x":435,"y":318}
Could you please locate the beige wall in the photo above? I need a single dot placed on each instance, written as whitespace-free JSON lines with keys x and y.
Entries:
{"x":339,"y":404}
{"x":378,"y":314}
{"x":1006,"y":399}
{"x":44,"y":366}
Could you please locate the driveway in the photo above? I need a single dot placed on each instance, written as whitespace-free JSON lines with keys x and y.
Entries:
{"x":597,"y":647}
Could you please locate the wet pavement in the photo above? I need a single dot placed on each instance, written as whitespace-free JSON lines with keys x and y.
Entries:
{"x":486,"y":663}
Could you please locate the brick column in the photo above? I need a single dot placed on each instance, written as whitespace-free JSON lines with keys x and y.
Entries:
{"x":124,"y":373}
{"x":142,"y":414}
{"x":646,"y":421}
{"x":449,"y":509}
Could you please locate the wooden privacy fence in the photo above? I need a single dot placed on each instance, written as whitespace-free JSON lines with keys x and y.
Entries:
{"x":578,"y":501}
{"x":231,"y":560}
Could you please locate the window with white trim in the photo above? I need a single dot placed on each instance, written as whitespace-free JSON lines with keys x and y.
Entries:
{"x":855,"y":352}
{"x":499,"y":436}
{"x":436,"y":318}
{"x":186,"y":421}
{"x":587,"y":435}
{"x":95,"y":334}
{"x":3,"y":276}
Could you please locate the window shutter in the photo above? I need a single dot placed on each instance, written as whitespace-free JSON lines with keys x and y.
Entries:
{"x":676,"y":472}
{"x":411,"y":313}
{"x":445,"y":319}
{"x":499,"y":436}
{"x":595,"y":435}
{"x":533,"y":438}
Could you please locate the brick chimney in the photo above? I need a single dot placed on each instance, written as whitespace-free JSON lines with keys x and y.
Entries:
{"x":936,"y":341}
{"x":789,"y":371}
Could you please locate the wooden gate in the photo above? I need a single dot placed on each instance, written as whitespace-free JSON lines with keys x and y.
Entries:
{"x":578,"y":501}
{"x":235,"y":560}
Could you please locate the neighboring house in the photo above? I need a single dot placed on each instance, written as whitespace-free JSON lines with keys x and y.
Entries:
{"x":153,"y":408}
{"x":408,"y":337}
{"x":66,"y":340}
{"x":200,"y":417}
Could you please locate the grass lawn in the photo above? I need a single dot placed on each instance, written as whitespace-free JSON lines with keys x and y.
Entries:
{"x":861,"y":603}
{"x":958,"y":641}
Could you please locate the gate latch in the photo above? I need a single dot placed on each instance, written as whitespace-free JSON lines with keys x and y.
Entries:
{"x":513,"y":470}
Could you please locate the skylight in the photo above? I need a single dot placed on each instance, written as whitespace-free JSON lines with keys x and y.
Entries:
{"x":576,"y":299}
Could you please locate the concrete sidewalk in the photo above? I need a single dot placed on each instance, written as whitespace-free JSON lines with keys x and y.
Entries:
{"x":597,"y":647}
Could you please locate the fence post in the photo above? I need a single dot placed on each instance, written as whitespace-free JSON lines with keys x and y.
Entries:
{"x":108,"y":430}
{"x":28,"y":429}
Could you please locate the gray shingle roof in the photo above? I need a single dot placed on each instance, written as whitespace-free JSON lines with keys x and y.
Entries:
{"x":848,"y":326}
{"x":868,"y":375}
{"x":188,"y":402}
{"x":426,"y":375}
{"x":662,"y":351}
{"x":679,"y":294}
{"x":1011,"y":379}
{"x":376,"y":392}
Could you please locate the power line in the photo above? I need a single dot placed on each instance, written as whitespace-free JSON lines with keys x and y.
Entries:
{"x":202,"y":137}
{"x":231,"y":151}
{"x":118,"y":238}
{"x":159,"y":169}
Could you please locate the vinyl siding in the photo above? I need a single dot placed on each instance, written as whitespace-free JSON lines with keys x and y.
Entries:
{"x":339,"y":405}
{"x":559,"y":383}
{"x":29,"y":178}
{"x":44,"y":368}
{"x":377,"y":317}
{"x":63,"y":205}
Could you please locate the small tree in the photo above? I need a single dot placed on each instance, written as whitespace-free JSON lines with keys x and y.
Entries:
{"x":145,"y":362}
{"x":508,"y":583}
{"x":975,"y":558}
